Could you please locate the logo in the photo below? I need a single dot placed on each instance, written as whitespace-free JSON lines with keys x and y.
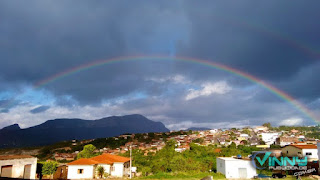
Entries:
{"x":281,"y":163}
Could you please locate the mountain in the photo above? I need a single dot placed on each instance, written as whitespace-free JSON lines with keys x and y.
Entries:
{"x":198,"y":129}
{"x":13,"y":127}
{"x":57,"y":130}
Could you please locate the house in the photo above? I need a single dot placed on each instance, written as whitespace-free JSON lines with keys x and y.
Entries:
{"x":236,"y":168}
{"x":18,"y":166}
{"x":269,"y":138}
{"x":261,"y":129}
{"x":286,"y":140}
{"x":116,"y":166}
{"x":65,"y":156}
{"x":301,"y":150}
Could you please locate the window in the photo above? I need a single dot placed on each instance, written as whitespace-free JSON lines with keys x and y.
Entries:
{"x":308,"y":153}
{"x":80,"y":171}
{"x":112,"y":168}
{"x":299,"y":152}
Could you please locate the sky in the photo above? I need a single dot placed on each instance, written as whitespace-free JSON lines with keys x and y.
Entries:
{"x":277,"y":42}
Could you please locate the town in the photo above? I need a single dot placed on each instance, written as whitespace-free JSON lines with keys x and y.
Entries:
{"x":221,"y":153}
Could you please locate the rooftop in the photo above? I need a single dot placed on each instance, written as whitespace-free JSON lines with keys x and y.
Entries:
{"x":101,"y":159}
{"x":234,"y":159}
{"x":9,"y":157}
{"x":304,"y":146}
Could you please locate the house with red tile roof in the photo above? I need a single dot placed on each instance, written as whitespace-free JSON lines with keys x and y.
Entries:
{"x":301,"y":150}
{"x":85,"y":168}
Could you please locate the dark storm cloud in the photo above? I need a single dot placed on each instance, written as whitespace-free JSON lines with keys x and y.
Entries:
{"x":268,"y":39}
{"x":39,"y":109}
{"x":51,"y":37}
{"x":276,"y":41}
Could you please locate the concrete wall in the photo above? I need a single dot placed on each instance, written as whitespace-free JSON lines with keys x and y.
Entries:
{"x":18,"y":166}
{"x":230,"y":167}
{"x":313,"y":157}
{"x":291,"y":151}
{"x":221,"y":166}
{"x":88,"y":171}
{"x":118,"y":170}
{"x":318,"y":146}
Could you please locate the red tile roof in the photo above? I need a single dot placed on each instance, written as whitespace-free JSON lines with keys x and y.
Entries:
{"x":102,"y":159}
{"x":83,"y":161}
{"x":15,"y":157}
{"x":304,"y":146}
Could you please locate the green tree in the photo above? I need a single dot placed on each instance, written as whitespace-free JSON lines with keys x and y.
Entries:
{"x":268,"y":125}
{"x":87,"y":152}
{"x":49,"y":168}
{"x":100,"y":171}
{"x":198,"y":140}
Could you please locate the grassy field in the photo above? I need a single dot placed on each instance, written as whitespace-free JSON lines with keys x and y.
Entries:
{"x":198,"y":176}
{"x":184,"y":176}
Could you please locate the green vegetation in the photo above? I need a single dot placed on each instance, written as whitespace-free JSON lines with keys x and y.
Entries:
{"x":100,"y":171}
{"x":47,"y":151}
{"x":49,"y":167}
{"x":191,"y":176}
{"x":197,"y":160}
{"x":87,"y":152}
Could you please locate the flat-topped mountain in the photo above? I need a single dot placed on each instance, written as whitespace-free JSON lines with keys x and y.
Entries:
{"x":57,"y":130}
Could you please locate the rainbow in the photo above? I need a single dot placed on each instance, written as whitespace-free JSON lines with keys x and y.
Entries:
{"x":286,"y":97}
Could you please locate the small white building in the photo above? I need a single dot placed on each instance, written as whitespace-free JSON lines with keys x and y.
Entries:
{"x":213,"y":131}
{"x":236,"y":168}
{"x":115,"y":166}
{"x":269,"y":138}
{"x":18,"y":166}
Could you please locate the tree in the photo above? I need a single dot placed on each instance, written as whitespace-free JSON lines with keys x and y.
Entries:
{"x":87,"y":152}
{"x":268,"y":125}
{"x":100,"y":171}
{"x":49,"y":168}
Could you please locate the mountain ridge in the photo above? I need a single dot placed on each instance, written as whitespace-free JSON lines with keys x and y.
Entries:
{"x":62,"y":129}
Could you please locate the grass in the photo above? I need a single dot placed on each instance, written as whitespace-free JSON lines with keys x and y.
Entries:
{"x":183,"y":176}
{"x":198,"y":176}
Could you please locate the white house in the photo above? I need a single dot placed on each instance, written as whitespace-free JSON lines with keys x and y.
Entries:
{"x":301,"y":150}
{"x":236,"y":168}
{"x":116,"y":166}
{"x":18,"y":166}
{"x":269,"y":138}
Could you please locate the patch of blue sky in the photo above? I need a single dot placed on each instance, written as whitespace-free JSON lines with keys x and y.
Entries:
{"x":36,"y":96}
{"x":6,"y":95}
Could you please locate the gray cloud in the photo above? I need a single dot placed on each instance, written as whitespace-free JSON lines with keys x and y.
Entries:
{"x":39,"y":109}
{"x":275,"y":41}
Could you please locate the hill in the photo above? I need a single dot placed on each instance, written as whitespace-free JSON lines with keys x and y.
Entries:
{"x":57,"y":130}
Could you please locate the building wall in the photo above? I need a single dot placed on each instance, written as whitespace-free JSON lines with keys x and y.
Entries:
{"x":118,"y":170}
{"x":221,"y":166}
{"x":291,"y":151}
{"x":318,"y":145}
{"x":269,"y":138}
{"x":88,"y":171}
{"x":312,"y":157}
{"x":18,"y":166}
{"x":106,"y":168}
{"x":231,"y":167}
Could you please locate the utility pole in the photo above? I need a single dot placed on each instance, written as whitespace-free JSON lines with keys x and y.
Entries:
{"x":130,"y":161}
